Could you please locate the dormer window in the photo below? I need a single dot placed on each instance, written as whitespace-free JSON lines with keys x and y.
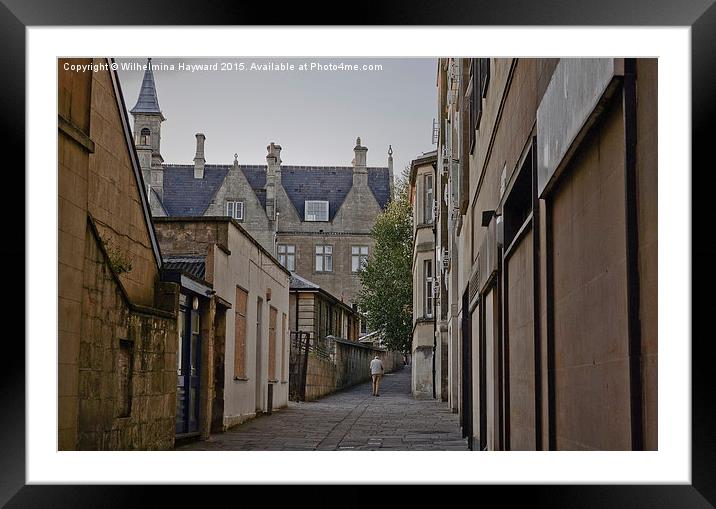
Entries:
{"x":235,"y":209}
{"x":144,"y":136}
{"x":316,"y":210}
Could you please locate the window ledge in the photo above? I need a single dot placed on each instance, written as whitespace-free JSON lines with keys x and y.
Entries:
{"x":241,"y":379}
{"x":273,"y":381}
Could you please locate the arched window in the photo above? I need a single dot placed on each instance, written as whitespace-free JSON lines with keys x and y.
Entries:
{"x":144,"y":136}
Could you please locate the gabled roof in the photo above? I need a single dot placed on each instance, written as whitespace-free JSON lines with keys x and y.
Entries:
{"x":147,"y":101}
{"x":186,"y":196}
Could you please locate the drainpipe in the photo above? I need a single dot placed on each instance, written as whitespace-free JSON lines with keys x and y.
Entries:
{"x":632,"y":252}
{"x":435,"y":271}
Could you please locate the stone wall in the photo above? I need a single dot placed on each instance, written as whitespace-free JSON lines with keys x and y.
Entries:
{"x":321,"y":378}
{"x":348,"y":365}
{"x":127,"y":364}
{"x":116,"y":349}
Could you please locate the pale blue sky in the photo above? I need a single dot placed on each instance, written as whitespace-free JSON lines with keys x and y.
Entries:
{"x":314,"y":115}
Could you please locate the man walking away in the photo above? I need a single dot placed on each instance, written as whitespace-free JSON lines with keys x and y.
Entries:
{"x":376,"y":371}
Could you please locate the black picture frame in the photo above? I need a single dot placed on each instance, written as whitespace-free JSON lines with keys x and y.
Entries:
{"x":700,"y":15}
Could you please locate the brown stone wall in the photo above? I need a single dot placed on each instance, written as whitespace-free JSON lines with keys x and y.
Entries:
{"x":114,"y":198}
{"x":520,"y":333}
{"x":106,"y":321}
{"x":348,"y":366}
{"x":590,"y":308}
{"x":195,"y":237}
{"x":112,"y":341}
{"x":320,"y":379}
{"x":73,"y":103}
{"x":647,"y":198}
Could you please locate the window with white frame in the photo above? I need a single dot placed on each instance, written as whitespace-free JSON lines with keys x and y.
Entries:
{"x":235,"y":209}
{"x":287,"y":256}
{"x":324,"y":258}
{"x":359,"y":257}
{"x":316,"y":210}
{"x":428,"y":288}
{"x":428,"y":199}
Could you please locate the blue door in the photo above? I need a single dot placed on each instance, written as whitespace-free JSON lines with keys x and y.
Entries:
{"x":188,"y":369}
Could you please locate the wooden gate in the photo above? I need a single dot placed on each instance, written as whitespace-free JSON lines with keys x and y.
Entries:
{"x":300,"y":343}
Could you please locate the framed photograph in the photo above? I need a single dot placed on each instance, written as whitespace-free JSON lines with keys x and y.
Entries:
{"x":279,"y":254}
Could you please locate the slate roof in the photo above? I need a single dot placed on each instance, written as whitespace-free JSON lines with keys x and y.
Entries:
{"x":147,"y":101}
{"x":186,"y":196}
{"x":299,"y":283}
{"x":379,"y":183}
{"x":194,"y":265}
{"x":329,"y":183}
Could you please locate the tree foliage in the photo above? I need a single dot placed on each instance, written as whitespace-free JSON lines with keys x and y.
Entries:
{"x":386,"y":296}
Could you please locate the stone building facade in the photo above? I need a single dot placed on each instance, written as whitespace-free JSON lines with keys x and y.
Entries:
{"x":320,"y":314}
{"x":546,"y":239}
{"x":316,"y":219}
{"x":424,"y":351}
{"x":245,"y":362}
{"x":117,"y":328}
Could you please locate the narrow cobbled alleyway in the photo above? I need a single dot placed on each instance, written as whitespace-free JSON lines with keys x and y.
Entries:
{"x":349,"y":420}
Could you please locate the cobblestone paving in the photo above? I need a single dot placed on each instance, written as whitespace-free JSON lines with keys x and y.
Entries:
{"x":348,"y":421}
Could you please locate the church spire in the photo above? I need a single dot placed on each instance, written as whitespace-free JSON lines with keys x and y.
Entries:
{"x":147,"y":101}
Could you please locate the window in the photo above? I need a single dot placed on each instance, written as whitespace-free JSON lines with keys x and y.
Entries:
{"x":359,"y":257}
{"x":428,"y":289}
{"x":287,"y":256}
{"x":324,"y":258}
{"x":518,"y":205}
{"x":144,"y":136}
{"x":235,"y":209}
{"x":474,"y":95}
{"x":428,"y":199}
{"x":453,"y":166}
{"x":316,"y":210}
{"x":240,"y":334}
{"x":484,"y":76}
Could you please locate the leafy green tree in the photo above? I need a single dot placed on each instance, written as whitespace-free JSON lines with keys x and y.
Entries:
{"x":386,"y":296}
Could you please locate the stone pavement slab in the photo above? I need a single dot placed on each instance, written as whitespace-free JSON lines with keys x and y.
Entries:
{"x":349,"y":420}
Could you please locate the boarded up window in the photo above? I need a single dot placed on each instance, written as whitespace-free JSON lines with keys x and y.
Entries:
{"x":283,"y":349}
{"x":272,"y":344}
{"x":124,"y":378}
{"x":240,"y":334}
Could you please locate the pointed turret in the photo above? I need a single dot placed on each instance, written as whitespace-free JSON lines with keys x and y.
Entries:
{"x":148,"y":120}
{"x":147,"y":101}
